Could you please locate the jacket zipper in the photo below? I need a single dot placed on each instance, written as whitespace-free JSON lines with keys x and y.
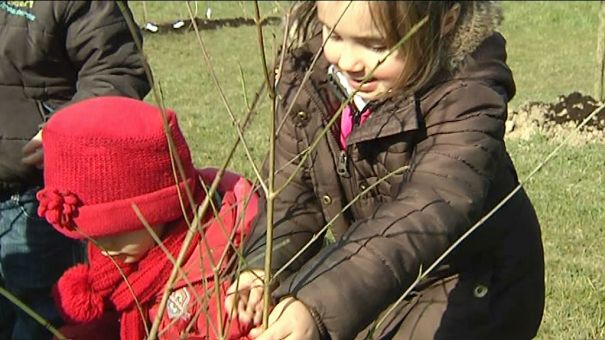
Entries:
{"x":338,"y":90}
{"x":342,"y":168}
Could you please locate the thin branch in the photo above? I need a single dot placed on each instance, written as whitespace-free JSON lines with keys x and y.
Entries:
{"x":271,"y":184}
{"x":261,"y":43}
{"x":202,"y":210}
{"x":311,"y":67}
{"x":160,"y":244}
{"x":336,"y":116}
{"x":345,"y":208}
{"x":489,"y":214}
{"x":244,"y":88}
{"x":224,"y":98}
{"x":174,"y":158}
{"x":32,"y":313}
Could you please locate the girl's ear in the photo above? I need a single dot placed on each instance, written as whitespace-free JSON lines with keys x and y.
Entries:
{"x":449,"y":19}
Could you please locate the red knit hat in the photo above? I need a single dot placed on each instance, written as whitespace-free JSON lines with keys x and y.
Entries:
{"x":101,"y":156}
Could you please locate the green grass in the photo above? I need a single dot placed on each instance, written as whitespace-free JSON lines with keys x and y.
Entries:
{"x":187,"y":86}
{"x":551,"y":49}
{"x":167,"y":11}
{"x":568,"y":196}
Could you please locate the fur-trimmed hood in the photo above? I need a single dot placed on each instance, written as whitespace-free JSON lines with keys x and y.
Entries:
{"x":478,"y":22}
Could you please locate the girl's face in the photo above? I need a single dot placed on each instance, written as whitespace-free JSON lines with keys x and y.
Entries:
{"x":128,"y":247}
{"x":356,"y":47}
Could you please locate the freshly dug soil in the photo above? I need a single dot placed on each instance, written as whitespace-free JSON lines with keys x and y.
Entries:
{"x":559,"y":120}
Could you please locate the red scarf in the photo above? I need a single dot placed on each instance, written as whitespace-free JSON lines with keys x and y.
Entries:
{"x":85,"y":292}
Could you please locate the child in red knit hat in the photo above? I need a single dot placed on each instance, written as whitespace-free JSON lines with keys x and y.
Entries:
{"x":105,"y":158}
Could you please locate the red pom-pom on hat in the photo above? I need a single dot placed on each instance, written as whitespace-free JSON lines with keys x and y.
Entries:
{"x":75,"y":297}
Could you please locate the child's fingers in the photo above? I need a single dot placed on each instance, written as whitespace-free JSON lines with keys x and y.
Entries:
{"x":276,"y":331}
{"x":255,"y":332}
{"x":245,"y":317}
{"x":232,"y":289}
{"x":230,"y":305}
{"x":229,"y":300}
{"x":241,"y":297}
{"x":35,"y":158}
{"x":255,"y":298}
{"x":258,"y":314}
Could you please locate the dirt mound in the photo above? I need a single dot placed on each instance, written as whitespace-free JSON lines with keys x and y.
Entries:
{"x":559,"y":120}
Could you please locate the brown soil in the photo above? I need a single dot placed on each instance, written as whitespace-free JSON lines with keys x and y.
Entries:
{"x":559,"y":120}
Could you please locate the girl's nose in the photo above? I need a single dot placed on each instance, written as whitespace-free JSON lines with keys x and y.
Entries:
{"x":349,"y":62}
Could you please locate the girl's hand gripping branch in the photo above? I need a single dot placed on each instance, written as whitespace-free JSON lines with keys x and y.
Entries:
{"x":290,"y":320}
{"x":245,"y":297}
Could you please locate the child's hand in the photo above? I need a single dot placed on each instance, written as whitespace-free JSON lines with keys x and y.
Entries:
{"x":249,"y":292}
{"x":32,"y":151}
{"x":290,"y":320}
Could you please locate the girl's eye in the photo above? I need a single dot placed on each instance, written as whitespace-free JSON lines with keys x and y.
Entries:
{"x":333,"y":36}
{"x":378,"y":48}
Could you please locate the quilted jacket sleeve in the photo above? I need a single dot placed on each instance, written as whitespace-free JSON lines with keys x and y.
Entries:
{"x":349,"y":283}
{"x":102,"y":49}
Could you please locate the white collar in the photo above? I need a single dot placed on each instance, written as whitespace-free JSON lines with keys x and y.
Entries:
{"x":359,"y":102}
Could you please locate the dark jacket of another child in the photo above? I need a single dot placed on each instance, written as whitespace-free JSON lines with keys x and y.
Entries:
{"x":448,"y":140}
{"x":54,"y":53}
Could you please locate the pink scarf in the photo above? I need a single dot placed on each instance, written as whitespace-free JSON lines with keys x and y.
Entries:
{"x":346,"y":123}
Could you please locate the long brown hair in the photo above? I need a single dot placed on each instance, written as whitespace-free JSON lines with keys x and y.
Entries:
{"x":425,"y":50}
{"x":425,"y":53}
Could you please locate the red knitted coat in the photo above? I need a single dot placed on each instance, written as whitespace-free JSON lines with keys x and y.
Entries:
{"x":98,"y":304}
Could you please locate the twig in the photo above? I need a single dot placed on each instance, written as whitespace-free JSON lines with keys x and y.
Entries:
{"x":489,"y":214}
{"x":224,"y":99}
{"x":336,"y":116}
{"x":600,"y":81}
{"x":310,"y":70}
{"x":10,"y":297}
{"x":269,"y":192}
{"x":345,"y":208}
{"x":261,"y":43}
{"x":160,"y":244}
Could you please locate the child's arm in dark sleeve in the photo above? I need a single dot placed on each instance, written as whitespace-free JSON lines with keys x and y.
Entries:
{"x":103,"y":51}
{"x":349,"y":283}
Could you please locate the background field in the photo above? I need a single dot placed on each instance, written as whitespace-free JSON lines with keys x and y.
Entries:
{"x":551,"y":48}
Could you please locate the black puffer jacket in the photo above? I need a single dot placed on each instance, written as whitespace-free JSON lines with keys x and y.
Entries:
{"x":53,"y":53}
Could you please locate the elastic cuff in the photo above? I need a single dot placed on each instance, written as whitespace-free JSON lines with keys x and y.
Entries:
{"x":323,"y":332}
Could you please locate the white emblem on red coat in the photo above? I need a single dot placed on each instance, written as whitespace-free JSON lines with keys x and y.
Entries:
{"x":178,"y":303}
